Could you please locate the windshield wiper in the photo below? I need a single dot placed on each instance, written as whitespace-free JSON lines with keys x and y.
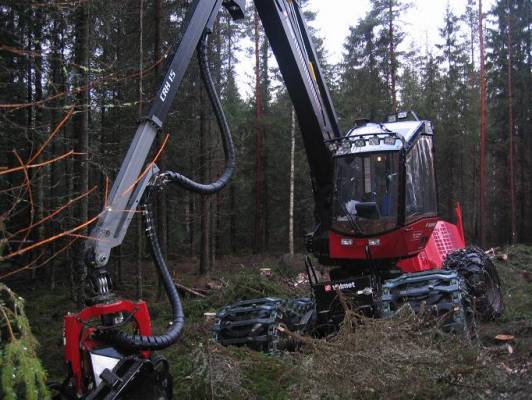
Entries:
{"x":354,"y":225}
{"x":352,"y":221}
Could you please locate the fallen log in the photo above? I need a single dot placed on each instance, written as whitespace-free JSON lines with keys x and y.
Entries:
{"x":179,"y":286}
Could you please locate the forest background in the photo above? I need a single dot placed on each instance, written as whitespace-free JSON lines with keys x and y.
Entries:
{"x":75,"y":76}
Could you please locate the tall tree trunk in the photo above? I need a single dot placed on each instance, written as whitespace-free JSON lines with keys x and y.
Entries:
{"x":258,"y":143}
{"x":292,"y":179}
{"x":216,"y":203}
{"x":205,"y":219}
{"x":232,"y":218}
{"x":43,"y":174}
{"x":483,"y":126}
{"x":265,"y":87}
{"x":71,"y":252}
{"x":513,"y":236}
{"x":232,"y":194}
{"x":30,"y":125}
{"x":139,"y":233}
{"x":212,"y":200}
{"x":189,"y":218}
{"x":162,"y":226}
{"x":56,"y":87}
{"x":82,"y":124}
{"x":392,"y":58}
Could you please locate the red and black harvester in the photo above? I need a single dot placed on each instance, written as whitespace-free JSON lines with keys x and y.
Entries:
{"x":376,"y":210}
{"x":375,"y":207}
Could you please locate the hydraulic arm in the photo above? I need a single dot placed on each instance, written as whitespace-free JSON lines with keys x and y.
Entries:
{"x":289,"y":38}
{"x":134,"y":187}
{"x":126,"y":192}
{"x":105,"y":360}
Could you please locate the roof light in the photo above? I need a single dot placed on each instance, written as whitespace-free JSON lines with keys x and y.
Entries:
{"x":333,"y":147}
{"x":345,"y":147}
{"x":390,"y":140}
{"x":374,"y":141}
{"x":360,"y":143}
{"x":402,"y":115}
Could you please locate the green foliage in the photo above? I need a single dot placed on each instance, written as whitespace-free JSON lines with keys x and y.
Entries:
{"x":267,"y":377}
{"x":362,"y":87}
{"x":369,"y":65}
{"x":21,"y":373}
{"x":516,"y":276}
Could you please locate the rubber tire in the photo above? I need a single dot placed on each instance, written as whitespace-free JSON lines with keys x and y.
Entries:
{"x":482,"y":281}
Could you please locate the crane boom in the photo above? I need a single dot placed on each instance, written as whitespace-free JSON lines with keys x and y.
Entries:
{"x":292,"y":45}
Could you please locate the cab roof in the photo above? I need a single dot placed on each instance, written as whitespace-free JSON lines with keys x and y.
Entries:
{"x":370,"y":137}
{"x":405,"y":129}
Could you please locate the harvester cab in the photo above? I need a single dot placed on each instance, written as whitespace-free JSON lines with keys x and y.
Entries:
{"x":384,"y":176}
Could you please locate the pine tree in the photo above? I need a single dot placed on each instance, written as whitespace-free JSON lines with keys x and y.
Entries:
{"x":362,"y":89}
{"x":82,"y":121}
{"x":520,"y":12}
{"x":452,"y":140}
{"x":386,"y":14}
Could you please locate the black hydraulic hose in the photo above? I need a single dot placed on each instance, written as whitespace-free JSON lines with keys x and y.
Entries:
{"x":139,"y":342}
{"x":227,"y":140}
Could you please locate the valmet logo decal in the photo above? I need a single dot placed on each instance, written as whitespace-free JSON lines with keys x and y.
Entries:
{"x":340,"y":286}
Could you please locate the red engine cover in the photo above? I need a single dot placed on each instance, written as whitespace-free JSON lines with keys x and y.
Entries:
{"x":420,"y":246}
{"x":406,"y":241}
{"x":445,"y":239}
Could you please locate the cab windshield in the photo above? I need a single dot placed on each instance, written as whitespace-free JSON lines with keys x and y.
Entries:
{"x":366,"y":193}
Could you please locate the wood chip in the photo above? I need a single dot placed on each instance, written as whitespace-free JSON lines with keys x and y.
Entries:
{"x":502,"y":256}
{"x":209,"y":315}
{"x":504,"y":338}
{"x":214,"y":285}
{"x":507,"y":368}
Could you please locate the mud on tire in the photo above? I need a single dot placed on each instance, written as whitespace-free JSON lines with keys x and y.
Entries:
{"x":482,"y":280}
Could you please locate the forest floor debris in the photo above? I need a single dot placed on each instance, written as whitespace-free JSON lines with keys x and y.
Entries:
{"x":403,"y":357}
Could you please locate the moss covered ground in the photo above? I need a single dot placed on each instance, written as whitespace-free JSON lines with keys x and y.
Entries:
{"x":401,"y":358}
